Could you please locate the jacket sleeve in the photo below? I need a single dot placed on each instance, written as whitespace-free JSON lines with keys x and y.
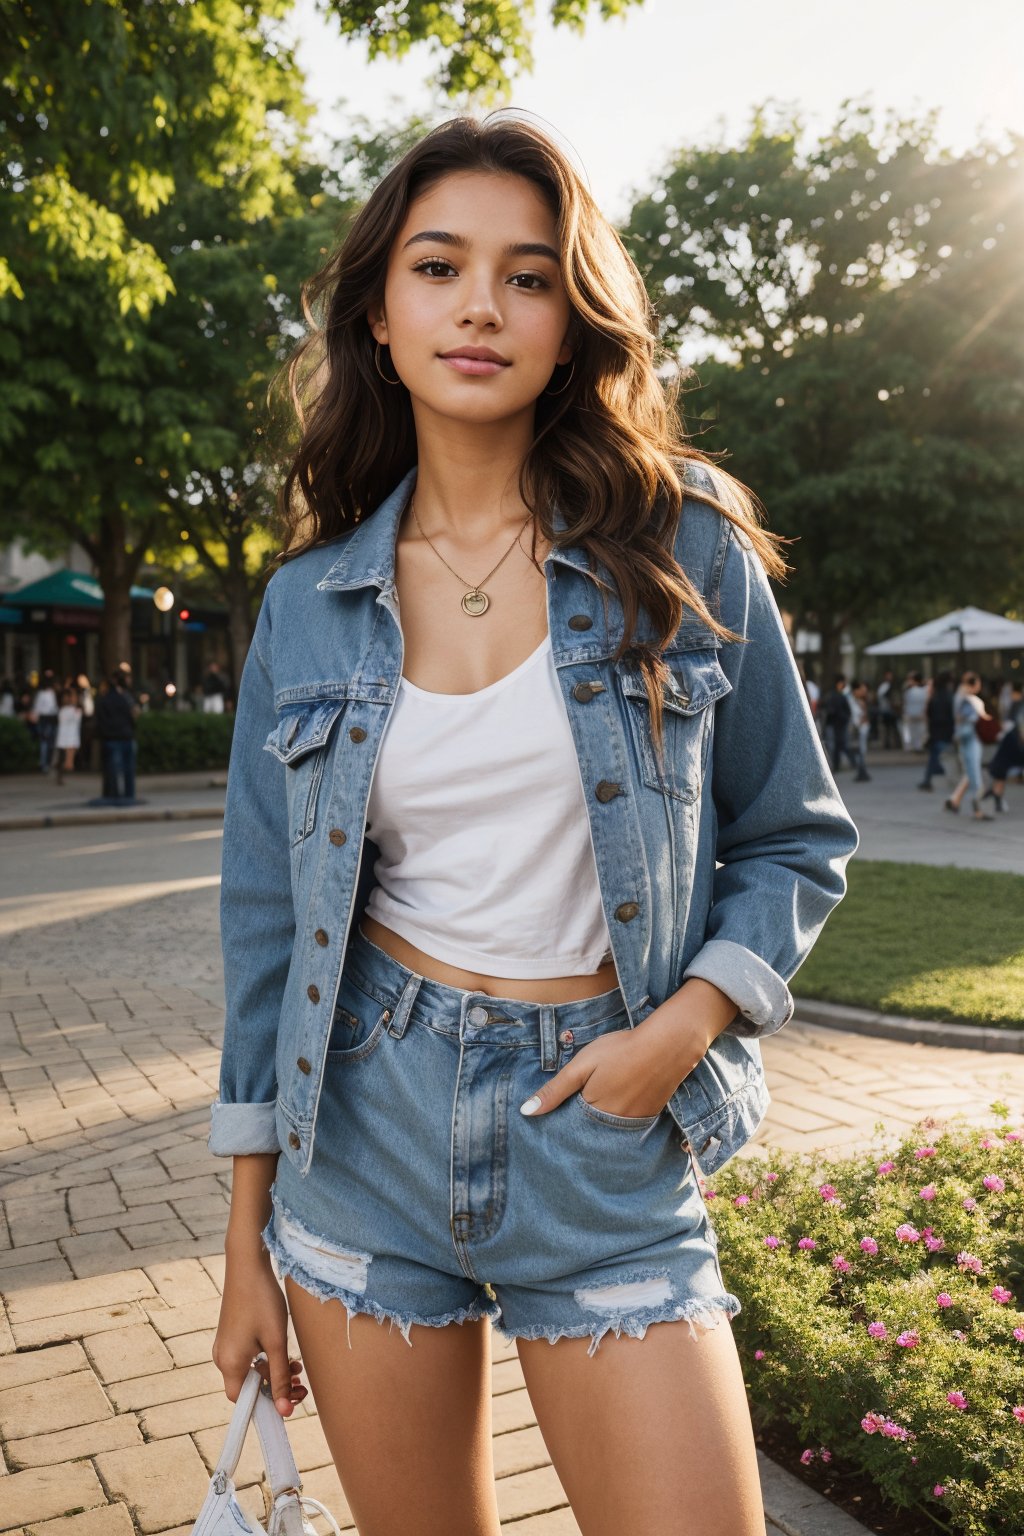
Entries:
{"x":257,"y":919}
{"x":784,"y":835}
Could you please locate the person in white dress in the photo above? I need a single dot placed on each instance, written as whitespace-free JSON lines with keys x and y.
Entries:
{"x":69,"y":732}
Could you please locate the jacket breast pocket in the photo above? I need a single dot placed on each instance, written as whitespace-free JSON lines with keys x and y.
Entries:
{"x":301,"y":740}
{"x":697,"y":681}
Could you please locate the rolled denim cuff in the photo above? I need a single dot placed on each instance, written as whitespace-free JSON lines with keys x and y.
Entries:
{"x":764,"y":1001}
{"x":239,"y":1129}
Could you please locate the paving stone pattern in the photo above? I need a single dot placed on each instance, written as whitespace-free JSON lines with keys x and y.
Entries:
{"x":112,"y":1215}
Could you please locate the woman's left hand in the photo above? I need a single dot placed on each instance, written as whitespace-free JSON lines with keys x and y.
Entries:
{"x":632,"y":1072}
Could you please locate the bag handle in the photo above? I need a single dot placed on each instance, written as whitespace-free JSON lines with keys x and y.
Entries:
{"x":255,"y":1403}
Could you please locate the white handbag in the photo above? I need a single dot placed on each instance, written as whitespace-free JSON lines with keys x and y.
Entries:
{"x":221,"y":1514}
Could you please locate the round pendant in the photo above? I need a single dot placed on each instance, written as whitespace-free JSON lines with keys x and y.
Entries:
{"x":475,"y":603}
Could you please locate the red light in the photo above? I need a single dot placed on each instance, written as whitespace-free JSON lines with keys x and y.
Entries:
{"x":71,"y":639}
{"x":184,"y":614}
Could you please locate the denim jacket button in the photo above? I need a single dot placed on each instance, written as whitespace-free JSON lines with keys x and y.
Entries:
{"x":357,"y":733}
{"x":580,"y":621}
{"x":336,"y":836}
{"x":607,"y":790}
{"x":583,"y":693}
{"x":293,"y":1140}
{"x":321,"y":938}
{"x":313,"y":993}
{"x":303,"y":1065}
{"x":627,"y":910}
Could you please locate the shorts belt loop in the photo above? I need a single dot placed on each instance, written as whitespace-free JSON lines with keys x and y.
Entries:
{"x":400,"y":1020}
{"x":548,"y":1038}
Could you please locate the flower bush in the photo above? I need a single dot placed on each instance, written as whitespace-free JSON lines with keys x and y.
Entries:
{"x":883,"y":1313}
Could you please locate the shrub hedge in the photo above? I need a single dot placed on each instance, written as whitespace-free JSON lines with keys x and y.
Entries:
{"x":882,"y":1313}
{"x":170,"y":742}
{"x":18,"y":750}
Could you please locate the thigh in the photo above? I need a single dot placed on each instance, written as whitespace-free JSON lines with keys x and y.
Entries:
{"x":650,"y":1434}
{"x":409,"y":1429}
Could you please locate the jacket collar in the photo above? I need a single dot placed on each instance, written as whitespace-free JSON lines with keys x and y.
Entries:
{"x":368,"y":558}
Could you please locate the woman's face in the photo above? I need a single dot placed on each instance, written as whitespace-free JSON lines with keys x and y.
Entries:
{"x":452,"y":282}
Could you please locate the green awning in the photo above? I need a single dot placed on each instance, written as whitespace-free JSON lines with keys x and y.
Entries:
{"x":65,"y":589}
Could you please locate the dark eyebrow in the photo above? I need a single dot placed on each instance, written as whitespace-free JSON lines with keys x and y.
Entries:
{"x":460,"y":243}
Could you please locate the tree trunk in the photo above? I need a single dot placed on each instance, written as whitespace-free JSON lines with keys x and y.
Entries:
{"x":116,"y":566}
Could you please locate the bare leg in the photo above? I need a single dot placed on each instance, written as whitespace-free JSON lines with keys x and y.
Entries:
{"x":650,"y":1434}
{"x":409,"y":1428}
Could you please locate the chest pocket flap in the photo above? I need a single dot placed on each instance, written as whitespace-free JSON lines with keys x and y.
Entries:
{"x":696,"y":681}
{"x":303,"y":730}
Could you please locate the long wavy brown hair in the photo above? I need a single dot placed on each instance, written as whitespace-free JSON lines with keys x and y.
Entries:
{"x":609,"y":449}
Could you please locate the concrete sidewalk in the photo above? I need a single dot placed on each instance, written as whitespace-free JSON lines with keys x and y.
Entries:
{"x":37,"y":800}
{"x":111,"y":1256}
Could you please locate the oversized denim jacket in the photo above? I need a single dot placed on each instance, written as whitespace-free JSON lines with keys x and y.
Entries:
{"x":725,"y":865}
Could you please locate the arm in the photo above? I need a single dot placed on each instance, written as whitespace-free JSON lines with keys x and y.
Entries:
{"x":784,"y":835}
{"x":256,"y":915}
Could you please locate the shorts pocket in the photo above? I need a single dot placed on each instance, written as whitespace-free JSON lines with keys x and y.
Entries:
{"x":619,"y":1122}
{"x":358,"y":1025}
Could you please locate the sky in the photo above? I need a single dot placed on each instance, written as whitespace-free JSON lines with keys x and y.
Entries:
{"x":673,"y":72}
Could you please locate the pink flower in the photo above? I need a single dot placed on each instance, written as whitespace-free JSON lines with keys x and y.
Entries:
{"x":771,"y":1242}
{"x":968,"y":1261}
{"x":886,"y":1167}
{"x":710,"y":1194}
{"x":1018,"y":1414}
{"x":943,"y":1299}
{"x":925,"y":1152}
{"x":1013,"y":1136}
{"x":807,"y":1242}
{"x":1018,"y":1334}
{"x":987,"y":1143}
{"x":758,"y":1354}
{"x":806,"y":1457}
{"x":893,"y":1431}
{"x":970,"y":1204}
{"x":770,"y":1178}
{"x":742,"y":1200}
{"x":928,"y":1192}
{"x":871,"y":1423}
{"x":825,"y":1455}
{"x":868,"y":1245}
{"x":956,"y":1399}
{"x":840,"y":1264}
{"x":938,"y":1490}
{"x":909,"y":1339}
{"x":933,"y":1243}
{"x":993,"y":1182}
{"x":1001,"y":1294}
{"x":878,"y":1330}
{"x":828,"y":1191}
{"x":958,"y":1333}
{"x":907,"y":1233}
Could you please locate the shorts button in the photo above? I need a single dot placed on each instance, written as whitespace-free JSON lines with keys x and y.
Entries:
{"x":321,"y":938}
{"x":357,"y":733}
{"x":293,"y":1140}
{"x":313,"y":993}
{"x":303,"y":1065}
{"x":336,"y":836}
{"x":477,"y":1015}
{"x":566,"y":1037}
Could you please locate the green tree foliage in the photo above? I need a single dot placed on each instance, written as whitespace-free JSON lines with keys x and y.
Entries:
{"x":482,"y":44}
{"x":854,"y":314}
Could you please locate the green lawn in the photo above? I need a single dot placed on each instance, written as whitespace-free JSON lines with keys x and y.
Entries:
{"x":927,"y":942}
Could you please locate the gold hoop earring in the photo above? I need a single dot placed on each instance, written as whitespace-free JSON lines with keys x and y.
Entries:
{"x":565,"y":386}
{"x":376,"y":359}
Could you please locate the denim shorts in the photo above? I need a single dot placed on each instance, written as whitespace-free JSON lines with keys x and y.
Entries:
{"x":431,"y":1199}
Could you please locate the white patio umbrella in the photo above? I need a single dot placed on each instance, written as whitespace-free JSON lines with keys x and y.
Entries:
{"x":965,"y":629}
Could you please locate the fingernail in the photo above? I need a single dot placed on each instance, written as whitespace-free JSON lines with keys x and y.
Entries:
{"x":530,"y":1107}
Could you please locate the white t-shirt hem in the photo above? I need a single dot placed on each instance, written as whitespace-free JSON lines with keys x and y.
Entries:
{"x":538,"y":967}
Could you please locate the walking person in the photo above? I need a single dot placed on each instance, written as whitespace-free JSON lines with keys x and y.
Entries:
{"x":69,"y":732}
{"x":838,"y":713}
{"x":491,"y":1007}
{"x":967,"y":711}
{"x":915,"y":707}
{"x":116,"y":710}
{"x":45,"y":709}
{"x":888,"y":701}
{"x":860,"y":722}
{"x":1009,"y":753}
{"x":941,"y":729}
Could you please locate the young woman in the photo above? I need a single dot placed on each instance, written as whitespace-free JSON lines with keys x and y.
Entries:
{"x":69,"y":732}
{"x":520,"y":682}
{"x":968,"y":709}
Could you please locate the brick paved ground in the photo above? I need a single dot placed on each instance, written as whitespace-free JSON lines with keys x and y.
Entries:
{"x":111,"y":1263}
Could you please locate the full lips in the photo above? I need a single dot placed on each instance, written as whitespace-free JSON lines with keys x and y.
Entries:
{"x":474,"y":365}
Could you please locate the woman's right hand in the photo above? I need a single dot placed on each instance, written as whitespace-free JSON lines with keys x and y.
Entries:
{"x":254,"y":1317}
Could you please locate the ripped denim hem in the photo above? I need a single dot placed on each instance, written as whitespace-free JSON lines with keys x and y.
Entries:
{"x":706,"y":1313}
{"x":286,"y":1263}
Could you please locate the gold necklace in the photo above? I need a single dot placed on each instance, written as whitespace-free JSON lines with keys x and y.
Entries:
{"x":475,"y":601}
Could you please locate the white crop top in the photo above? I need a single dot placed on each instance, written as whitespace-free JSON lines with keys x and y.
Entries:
{"x":477,"y":807}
